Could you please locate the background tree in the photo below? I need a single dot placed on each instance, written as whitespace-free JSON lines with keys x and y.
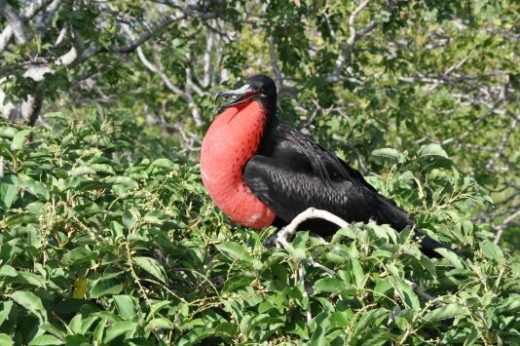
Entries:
{"x":420,"y":96}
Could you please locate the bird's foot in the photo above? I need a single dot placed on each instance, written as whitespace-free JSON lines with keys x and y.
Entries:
{"x":279,"y":239}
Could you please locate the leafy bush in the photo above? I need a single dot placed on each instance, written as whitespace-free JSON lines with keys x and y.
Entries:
{"x":108,"y":238}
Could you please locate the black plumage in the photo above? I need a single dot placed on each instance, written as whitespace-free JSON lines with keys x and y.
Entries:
{"x":291,"y":173}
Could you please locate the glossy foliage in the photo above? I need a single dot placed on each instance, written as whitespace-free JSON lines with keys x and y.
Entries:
{"x":108,"y":237}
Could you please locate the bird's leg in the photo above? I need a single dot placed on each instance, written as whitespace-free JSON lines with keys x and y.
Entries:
{"x":281,"y":237}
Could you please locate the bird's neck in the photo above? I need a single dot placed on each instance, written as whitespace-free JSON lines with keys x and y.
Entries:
{"x":268,"y":102}
{"x":231,"y":140}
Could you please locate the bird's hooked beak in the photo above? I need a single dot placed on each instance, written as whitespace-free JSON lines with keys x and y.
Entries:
{"x":244,"y":94}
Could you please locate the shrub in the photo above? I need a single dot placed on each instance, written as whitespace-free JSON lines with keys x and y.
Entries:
{"x":108,"y":238}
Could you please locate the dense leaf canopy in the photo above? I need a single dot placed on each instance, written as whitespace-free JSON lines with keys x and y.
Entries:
{"x":108,"y":237}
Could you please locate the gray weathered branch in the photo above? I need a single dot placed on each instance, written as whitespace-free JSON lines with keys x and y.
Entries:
{"x":170,"y":85}
{"x":508,"y":221}
{"x":25,"y":14}
{"x":346,"y":49}
{"x":15,"y":22}
{"x":149,"y":33}
{"x":275,"y":64}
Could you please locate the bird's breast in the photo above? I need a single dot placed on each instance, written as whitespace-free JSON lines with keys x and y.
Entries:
{"x":231,"y":140}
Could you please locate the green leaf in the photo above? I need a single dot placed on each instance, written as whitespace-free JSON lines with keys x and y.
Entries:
{"x":155,"y":217}
{"x":75,"y":324}
{"x":5,"y":340}
{"x":5,"y":310}
{"x":451,"y":256}
{"x":31,"y":279}
{"x":235,"y":251}
{"x":357,"y":271}
{"x":30,"y":302}
{"x":383,"y":288}
{"x":106,"y":285}
{"x":120,"y":328}
{"x":46,"y":339}
{"x":81,"y":170}
{"x":322,"y":322}
{"x":19,"y":139}
{"x":78,"y":255}
{"x":492,"y":251}
{"x":130,"y":218}
{"x":432,"y":150}
{"x":9,"y":191}
{"x":7,"y":270}
{"x":159,"y":323}
{"x":445,"y":312}
{"x":102,"y":168}
{"x":389,"y":153}
{"x":237,"y":282}
{"x":162,"y":163}
{"x":406,"y":293}
{"x":329,"y":285}
{"x":125,"y":306}
{"x":151,"y":266}
{"x":122,"y":180}
{"x":34,"y":187}
{"x":8,"y":131}
{"x":100,"y":330}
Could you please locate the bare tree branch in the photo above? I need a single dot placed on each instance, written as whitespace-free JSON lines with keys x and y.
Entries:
{"x":149,"y":33}
{"x":32,"y":9}
{"x":169,"y":84}
{"x":275,"y":64}
{"x":32,"y":106}
{"x":50,"y":11}
{"x":15,"y":22}
{"x":312,"y":213}
{"x":207,"y":65}
{"x":347,"y":47}
{"x":74,"y":53}
{"x":25,"y":14}
{"x":508,"y":221}
{"x":190,"y":84}
{"x":456,"y":66}
{"x":502,"y":146}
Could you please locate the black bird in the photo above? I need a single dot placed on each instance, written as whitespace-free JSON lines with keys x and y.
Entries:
{"x":262,"y":172}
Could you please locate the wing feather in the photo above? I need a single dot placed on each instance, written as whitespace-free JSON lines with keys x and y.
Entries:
{"x":288,"y":193}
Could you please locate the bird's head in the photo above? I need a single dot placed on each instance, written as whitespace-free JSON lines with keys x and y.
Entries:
{"x":259,"y":87}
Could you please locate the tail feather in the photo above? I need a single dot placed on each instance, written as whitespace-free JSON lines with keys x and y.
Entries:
{"x":399,"y":220}
{"x":428,"y":245}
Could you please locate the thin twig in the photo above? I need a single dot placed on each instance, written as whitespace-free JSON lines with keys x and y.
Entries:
{"x":502,"y":145}
{"x":278,"y":77}
{"x":208,"y":66}
{"x":313,"y":213}
{"x":301,"y":277}
{"x":347,"y":47}
{"x":169,"y":84}
{"x":15,"y":22}
{"x":134,"y":274}
{"x":145,"y":36}
{"x":422,"y":293}
{"x":25,"y":14}
{"x":502,"y":227}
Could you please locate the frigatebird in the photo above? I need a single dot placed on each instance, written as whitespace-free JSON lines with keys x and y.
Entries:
{"x":260,"y":171}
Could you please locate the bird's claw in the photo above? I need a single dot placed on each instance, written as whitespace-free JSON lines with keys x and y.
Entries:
{"x":279,"y":239}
